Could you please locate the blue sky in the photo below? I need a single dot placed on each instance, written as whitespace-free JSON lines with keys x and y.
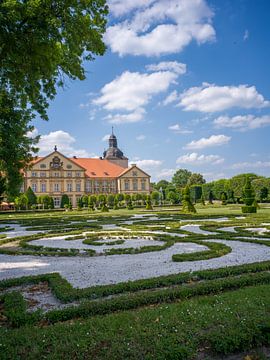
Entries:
{"x":185,"y":83}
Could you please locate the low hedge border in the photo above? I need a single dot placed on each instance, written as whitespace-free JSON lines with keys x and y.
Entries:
{"x":15,"y":305}
{"x":215,"y":250}
{"x":64,"y":291}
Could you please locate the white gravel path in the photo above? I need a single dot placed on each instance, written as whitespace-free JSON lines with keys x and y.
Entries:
{"x":19,"y":230}
{"x":60,"y":242}
{"x":230,"y":229}
{"x":84,"y":272}
{"x":258,"y":230}
{"x":223,"y":219}
{"x":196,"y":229}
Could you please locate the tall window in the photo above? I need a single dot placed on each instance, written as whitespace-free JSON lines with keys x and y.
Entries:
{"x":43,"y":174}
{"x":34,"y":174}
{"x":78,"y":187}
{"x":127,"y":185}
{"x":78,"y":173}
{"x":143,"y":184}
{"x":56,"y":174}
{"x":34,"y":187}
{"x":135,"y":185}
{"x":43,"y":187}
{"x":69,"y":174}
{"x":88,"y":186}
{"x":56,"y":187}
{"x":69,"y":187}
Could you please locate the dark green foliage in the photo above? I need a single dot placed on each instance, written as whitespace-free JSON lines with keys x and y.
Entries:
{"x":115,"y":203}
{"x":155,"y":197}
{"x":180,"y":178}
{"x":187,"y":205}
{"x":44,"y":42}
{"x":249,"y":209}
{"x":263,"y":193}
{"x":196,"y":179}
{"x":195,"y":192}
{"x":211,"y":197}
{"x":148,"y":203}
{"x":32,"y":199}
{"x":2,"y":186}
{"x":64,"y":201}
{"x":248,"y":197}
{"x":223,"y":198}
{"x":16,"y":148}
{"x":110,"y":200}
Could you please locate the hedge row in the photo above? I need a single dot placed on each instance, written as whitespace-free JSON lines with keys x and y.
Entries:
{"x":15,"y":306}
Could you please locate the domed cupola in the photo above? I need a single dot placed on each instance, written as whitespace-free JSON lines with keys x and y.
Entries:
{"x":114,"y":154}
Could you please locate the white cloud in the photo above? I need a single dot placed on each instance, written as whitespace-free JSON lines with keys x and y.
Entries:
{"x":196,"y":159}
{"x":172,"y":97}
{"x":212,"y":98}
{"x":132,"y":117}
{"x":147,"y":164}
{"x":251,"y":165}
{"x":213,"y":140}
{"x":159,"y":27}
{"x":242,"y":122}
{"x":173,"y":66}
{"x":105,"y":137}
{"x":177,"y":129}
{"x":140,"y":137}
{"x":32,"y":134}
{"x":166,"y":173}
{"x":120,"y":7}
{"x":64,"y":142}
{"x":131,"y":91}
{"x":212,"y":176}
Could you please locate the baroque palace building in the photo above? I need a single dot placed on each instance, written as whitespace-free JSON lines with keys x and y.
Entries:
{"x":56,"y":174}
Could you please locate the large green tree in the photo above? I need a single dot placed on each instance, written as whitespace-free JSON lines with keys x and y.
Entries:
{"x":42,"y":43}
{"x":16,"y":148}
{"x":180,"y":178}
{"x":196,"y":179}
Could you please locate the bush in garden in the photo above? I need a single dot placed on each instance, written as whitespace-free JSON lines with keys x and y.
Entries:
{"x":223,"y":198}
{"x":148,"y":203}
{"x":79,"y":204}
{"x":202,"y":201}
{"x":110,"y":200}
{"x":32,"y":199}
{"x":211,"y":197}
{"x":155,"y":197}
{"x":187,"y":205}
{"x":115,"y":204}
{"x":64,"y":201}
{"x":248,"y":198}
{"x":104,"y":208}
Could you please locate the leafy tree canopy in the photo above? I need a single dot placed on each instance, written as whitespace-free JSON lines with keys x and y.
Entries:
{"x":180,"y":178}
{"x":43,"y":41}
{"x":196,"y":179}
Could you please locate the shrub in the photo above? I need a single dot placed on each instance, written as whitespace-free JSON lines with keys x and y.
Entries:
{"x":248,"y":198}
{"x":187,"y":205}
{"x":223,"y":198}
{"x":148,"y":203}
{"x":249,"y":209}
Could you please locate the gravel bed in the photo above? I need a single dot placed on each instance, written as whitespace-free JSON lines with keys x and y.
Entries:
{"x":230,"y":229}
{"x":60,"y":242}
{"x":223,"y":219}
{"x":84,"y":272}
{"x":196,"y":229}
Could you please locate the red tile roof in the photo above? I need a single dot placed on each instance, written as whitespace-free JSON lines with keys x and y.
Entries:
{"x":99,"y":168}
{"x":95,"y":168}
